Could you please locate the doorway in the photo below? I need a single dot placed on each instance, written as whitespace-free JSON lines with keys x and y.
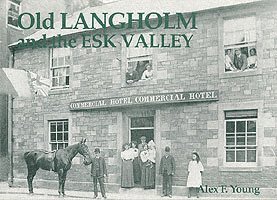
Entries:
{"x":140,"y":126}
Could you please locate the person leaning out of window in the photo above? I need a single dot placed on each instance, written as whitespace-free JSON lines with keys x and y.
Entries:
{"x":240,"y":60}
{"x":252,"y":59}
{"x":131,"y":75}
{"x":148,"y":73}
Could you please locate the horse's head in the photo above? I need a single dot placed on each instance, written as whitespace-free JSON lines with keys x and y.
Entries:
{"x":84,"y":151}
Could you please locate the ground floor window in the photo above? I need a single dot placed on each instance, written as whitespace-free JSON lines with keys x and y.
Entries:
{"x":58,"y":133}
{"x":241,"y":136}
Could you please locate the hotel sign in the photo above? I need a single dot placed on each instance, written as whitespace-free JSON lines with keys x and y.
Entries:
{"x":150,"y":99}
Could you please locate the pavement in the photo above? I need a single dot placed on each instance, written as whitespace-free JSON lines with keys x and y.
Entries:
{"x":14,"y":193}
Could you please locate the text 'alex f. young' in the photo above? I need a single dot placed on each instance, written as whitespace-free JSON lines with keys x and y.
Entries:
{"x":230,"y":189}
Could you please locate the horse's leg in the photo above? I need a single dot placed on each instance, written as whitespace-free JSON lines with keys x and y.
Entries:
{"x":63,"y":181}
{"x":60,"y":172}
{"x":31,"y":173}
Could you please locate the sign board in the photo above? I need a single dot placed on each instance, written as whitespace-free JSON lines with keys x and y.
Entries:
{"x":150,"y":99}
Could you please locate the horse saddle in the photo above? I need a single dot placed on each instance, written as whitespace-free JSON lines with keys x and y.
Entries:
{"x":50,"y":158}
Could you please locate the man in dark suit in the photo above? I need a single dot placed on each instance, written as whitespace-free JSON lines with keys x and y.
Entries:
{"x":240,"y":60}
{"x":98,"y":172}
{"x":167,"y":169}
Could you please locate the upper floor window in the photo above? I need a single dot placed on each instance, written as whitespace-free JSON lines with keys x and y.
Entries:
{"x":241,"y":136}
{"x":240,"y":44}
{"x":13,"y":12}
{"x":60,"y":67}
{"x":139,"y":62}
{"x":58,"y":132}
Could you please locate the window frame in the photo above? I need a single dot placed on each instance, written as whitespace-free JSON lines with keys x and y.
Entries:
{"x":245,"y":44}
{"x":69,"y":66}
{"x":221,"y":55}
{"x":245,"y":163}
{"x":58,"y":142}
{"x":8,"y":2}
{"x":124,"y":64}
{"x":238,"y":105}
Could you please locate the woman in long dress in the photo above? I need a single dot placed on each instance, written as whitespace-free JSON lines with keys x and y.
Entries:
{"x":127,"y":175}
{"x":136,"y":164}
{"x":195,"y":170}
{"x":147,"y":177}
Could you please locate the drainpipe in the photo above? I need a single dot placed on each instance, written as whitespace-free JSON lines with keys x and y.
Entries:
{"x":10,"y":130}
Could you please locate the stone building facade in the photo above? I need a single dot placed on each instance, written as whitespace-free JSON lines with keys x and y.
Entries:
{"x":234,"y":132}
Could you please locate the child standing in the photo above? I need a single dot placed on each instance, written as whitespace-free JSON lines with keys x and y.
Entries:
{"x":167,"y":170}
{"x":195,"y":171}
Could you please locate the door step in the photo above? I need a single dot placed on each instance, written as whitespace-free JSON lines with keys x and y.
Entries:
{"x":138,"y":191}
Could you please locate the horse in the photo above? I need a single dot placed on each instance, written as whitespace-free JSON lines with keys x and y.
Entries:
{"x":58,"y":161}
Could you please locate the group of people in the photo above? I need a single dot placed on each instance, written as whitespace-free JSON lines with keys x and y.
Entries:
{"x":239,"y":61}
{"x":138,"y":166}
{"x":143,"y":71}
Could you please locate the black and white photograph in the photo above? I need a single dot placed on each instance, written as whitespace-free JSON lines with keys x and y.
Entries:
{"x":138,"y":99}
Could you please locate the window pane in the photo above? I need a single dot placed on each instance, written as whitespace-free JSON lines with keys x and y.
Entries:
{"x":230,"y":140}
{"x":240,"y":156}
{"x":55,"y":72}
{"x":142,"y":122}
{"x":67,"y":60}
{"x":67,"y":71}
{"x":61,"y":81}
{"x":53,"y":147}
{"x":251,"y":126}
{"x":55,"y":82}
{"x":61,"y":61}
{"x":59,"y":126}
{"x":65,"y":126}
{"x":53,"y":127}
{"x":60,"y":137}
{"x":240,"y":126}
{"x":54,"y":62}
{"x":53,"y":137}
{"x":60,"y":146}
{"x":65,"y":136}
{"x":66,"y":145}
{"x":230,"y":156}
{"x":230,"y":127}
{"x":251,"y":155}
{"x":251,"y":140}
{"x":67,"y":80}
{"x":240,"y":140}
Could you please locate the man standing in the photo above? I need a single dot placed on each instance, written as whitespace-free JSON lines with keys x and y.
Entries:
{"x":98,"y":172}
{"x":167,"y":169}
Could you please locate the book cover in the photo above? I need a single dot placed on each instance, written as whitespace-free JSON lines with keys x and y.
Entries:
{"x":138,"y":99}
